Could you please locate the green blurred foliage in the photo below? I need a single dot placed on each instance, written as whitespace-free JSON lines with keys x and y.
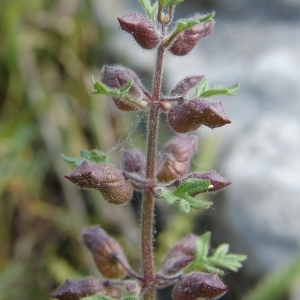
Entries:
{"x":48,"y":52}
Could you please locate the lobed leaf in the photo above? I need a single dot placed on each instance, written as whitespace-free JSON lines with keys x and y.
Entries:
{"x":183,"y":193}
{"x":72,"y":161}
{"x":204,"y":90}
{"x":220,"y":258}
{"x":103,"y":89}
{"x":192,"y":186}
{"x":188,"y":23}
{"x":94,"y":156}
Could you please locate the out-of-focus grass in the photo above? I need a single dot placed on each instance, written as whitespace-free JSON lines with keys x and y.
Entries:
{"x":48,"y":51}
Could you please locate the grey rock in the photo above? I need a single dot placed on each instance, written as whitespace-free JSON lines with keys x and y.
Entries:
{"x":251,"y":9}
{"x":261,"y":208}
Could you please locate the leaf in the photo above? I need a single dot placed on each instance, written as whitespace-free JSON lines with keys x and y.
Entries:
{"x":150,"y":9}
{"x":164,"y":3}
{"x":154,"y":12}
{"x":183,"y":193}
{"x":147,"y":6}
{"x":203,"y":244}
{"x":227,"y":260}
{"x":175,"y":2}
{"x":220,"y":258}
{"x":192,"y":186}
{"x":97,"y":156}
{"x":103,"y":89}
{"x":84,"y":153}
{"x":72,"y":160}
{"x":232,"y":90}
{"x":204,"y":90}
{"x":201,"y":88}
{"x":170,"y":198}
{"x":184,"y":205}
{"x":187,"y":23}
{"x":94,"y":156}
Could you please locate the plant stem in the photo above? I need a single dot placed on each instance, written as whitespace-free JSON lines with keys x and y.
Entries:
{"x":149,"y":200}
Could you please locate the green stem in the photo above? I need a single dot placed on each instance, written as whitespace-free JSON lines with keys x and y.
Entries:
{"x":149,"y":200}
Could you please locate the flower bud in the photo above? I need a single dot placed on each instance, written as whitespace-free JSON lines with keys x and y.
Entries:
{"x":165,"y":106}
{"x":180,"y":255}
{"x":104,"y":178}
{"x":77,"y":289}
{"x":106,"y":251}
{"x":141,"y":29}
{"x":185,"y":85}
{"x":186,"y":40}
{"x":191,"y":114}
{"x":117,"y":76}
{"x":199,"y":285}
{"x":134,"y":161}
{"x":216,"y":180}
{"x":176,"y":158}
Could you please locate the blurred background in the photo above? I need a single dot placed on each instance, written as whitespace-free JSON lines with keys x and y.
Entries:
{"x":49,"y":50}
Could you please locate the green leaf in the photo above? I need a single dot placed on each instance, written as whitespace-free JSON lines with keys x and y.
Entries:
{"x":94,"y":157}
{"x":163,"y":3}
{"x":220,"y":258}
{"x":84,"y":153}
{"x":175,"y":2}
{"x":183,"y":193}
{"x":154,"y":12}
{"x":125,"y":89}
{"x":170,"y":198}
{"x":201,"y":88}
{"x":232,"y":90}
{"x":203,"y":244}
{"x":102,"y":89}
{"x":146,"y":5}
{"x":204,"y":90}
{"x":72,"y":160}
{"x":198,"y":203}
{"x":97,"y":156}
{"x":184,"y":205}
{"x":187,"y":23}
{"x":227,"y":260}
{"x":150,"y":9}
{"x":192,"y":186}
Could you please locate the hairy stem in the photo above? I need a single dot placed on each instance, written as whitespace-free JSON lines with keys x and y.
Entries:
{"x":148,"y":201}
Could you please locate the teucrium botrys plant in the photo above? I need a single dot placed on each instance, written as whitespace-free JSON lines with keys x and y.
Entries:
{"x":189,"y":264}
